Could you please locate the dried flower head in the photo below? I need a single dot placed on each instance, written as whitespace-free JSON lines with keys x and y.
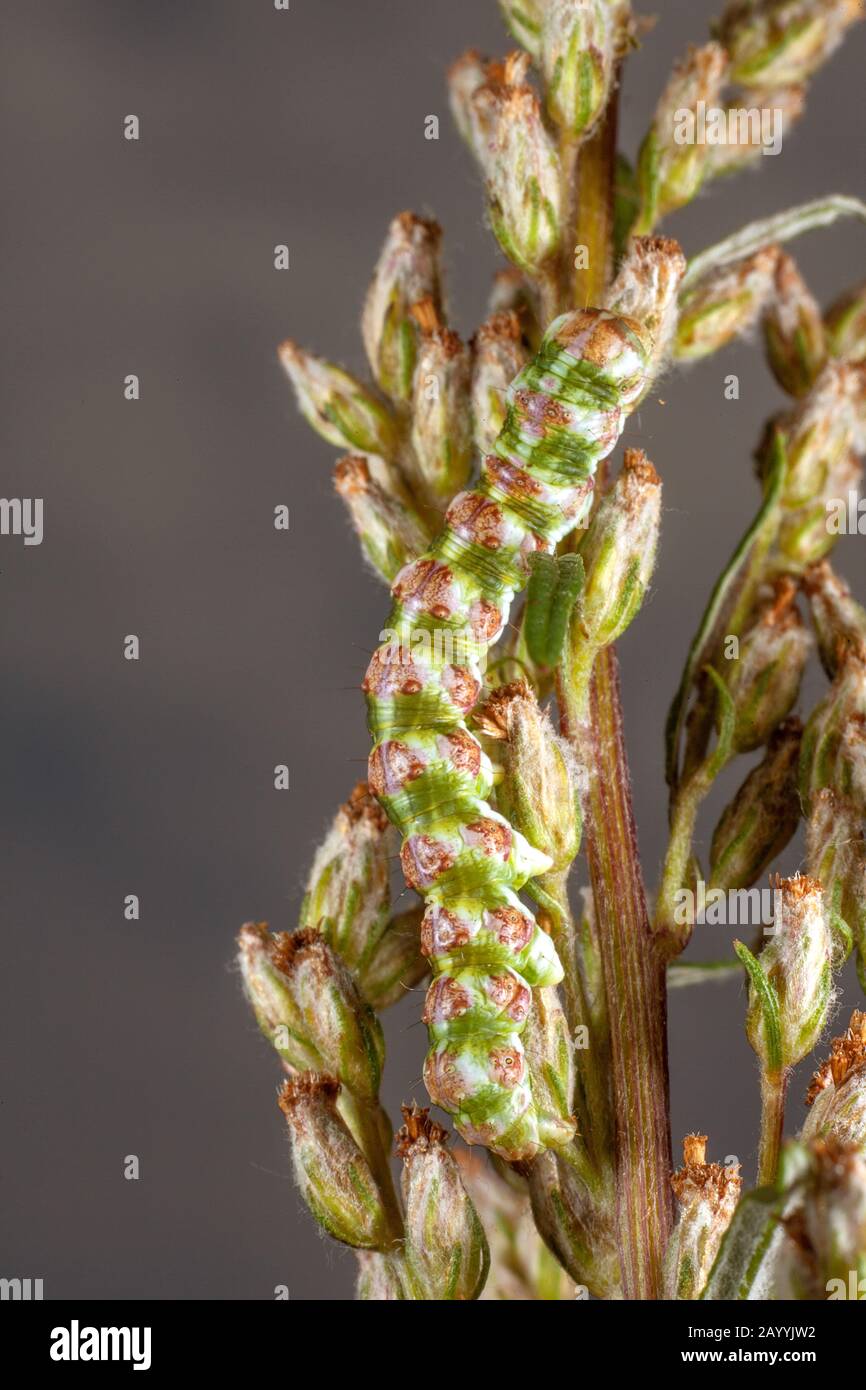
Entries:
{"x":706,"y":1194}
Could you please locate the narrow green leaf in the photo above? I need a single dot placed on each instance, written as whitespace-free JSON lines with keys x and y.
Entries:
{"x":769,"y":1002}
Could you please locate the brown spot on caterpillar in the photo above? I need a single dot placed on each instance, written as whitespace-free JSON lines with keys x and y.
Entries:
{"x":429,"y":586}
{"x":514,"y":482}
{"x":491,"y":836}
{"x":461,"y":685}
{"x":425,"y":859}
{"x":477,"y":519}
{"x":485,"y":620}
{"x":443,"y":931}
{"x":391,"y":667}
{"x":507,"y":1066}
{"x":391,"y":766}
{"x":541,"y":409}
{"x":513,"y":928}
{"x":462,"y":751}
{"x":510,"y":995}
{"x":446,"y":1000}
{"x":443,"y":1079}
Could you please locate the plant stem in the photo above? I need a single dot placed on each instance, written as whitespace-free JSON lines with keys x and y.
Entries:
{"x":633,"y":973}
{"x":774,"y":1086}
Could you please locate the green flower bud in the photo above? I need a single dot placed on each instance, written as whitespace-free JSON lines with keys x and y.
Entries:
{"x":389,"y":528}
{"x":618,"y":553}
{"x":845,"y":323}
{"x":577,"y":1224}
{"x":726,"y":304}
{"x":309,"y":1007}
{"x":539,"y":791}
{"x":446,"y":1249}
{"x":521,"y":1266}
{"x":706,"y":1195}
{"x":348,"y":896}
{"x":578,"y":55}
{"x":524,"y":19}
{"x":498,"y":354}
{"x":837,"y":1095}
{"x":790,"y":985}
{"x":840,"y":621}
{"x":441,"y":412}
{"x":502,"y":120}
{"x":776,"y":43}
{"x":794,"y":331}
{"x":821,"y":432}
{"x":337,"y":406}
{"x":396,"y":965}
{"x":764,"y":680}
{"x":829,"y":756}
{"x":331,"y":1171}
{"x":763,"y":815}
{"x":646,"y":288}
{"x":836,"y":855}
{"x":550,"y":1058}
{"x":670,"y":173}
{"x":408,"y":270}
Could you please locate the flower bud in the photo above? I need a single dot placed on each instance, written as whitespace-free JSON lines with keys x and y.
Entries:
{"x":819,"y":435}
{"x":836,"y":855}
{"x":498,"y":355}
{"x":396,"y":965}
{"x":524,"y":20}
{"x":348,"y":896}
{"x":840,"y":622}
{"x":390,"y":530}
{"x":539,"y":791}
{"x":466,"y":76}
{"x":845,"y":323}
{"x":777,"y":43}
{"x":550,"y":1057}
{"x":441,"y":411}
{"x":408,"y":270}
{"x":618,"y":552}
{"x":521,"y":1266}
{"x":763,"y":815}
{"x":337,"y":406}
{"x":578,"y":1225}
{"x":725,"y":304}
{"x":309,"y":1007}
{"x":706,"y":1195}
{"x":502,"y":119}
{"x":830,"y":756}
{"x":790,"y":985}
{"x":837,"y":1095}
{"x":446,"y":1249}
{"x":764,"y":680}
{"x":794,"y":331}
{"x":332,"y":1173}
{"x":578,"y":54}
{"x":670,"y":171}
{"x":646,"y":288}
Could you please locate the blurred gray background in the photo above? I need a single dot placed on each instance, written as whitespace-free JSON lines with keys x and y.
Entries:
{"x":156,"y":778}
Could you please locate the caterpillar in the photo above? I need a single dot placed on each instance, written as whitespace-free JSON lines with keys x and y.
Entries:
{"x":565,"y":412}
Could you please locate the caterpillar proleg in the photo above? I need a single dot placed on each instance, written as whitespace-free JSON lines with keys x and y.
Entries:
{"x":565,"y":413}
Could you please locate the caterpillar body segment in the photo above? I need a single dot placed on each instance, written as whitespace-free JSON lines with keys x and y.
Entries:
{"x":566,"y":411}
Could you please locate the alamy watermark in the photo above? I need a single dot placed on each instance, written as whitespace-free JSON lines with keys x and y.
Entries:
{"x":738,"y":126}
{"x":22,"y":516}
{"x":732,"y":907}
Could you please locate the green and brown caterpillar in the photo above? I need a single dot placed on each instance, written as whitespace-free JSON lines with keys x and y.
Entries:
{"x":565,"y":413}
